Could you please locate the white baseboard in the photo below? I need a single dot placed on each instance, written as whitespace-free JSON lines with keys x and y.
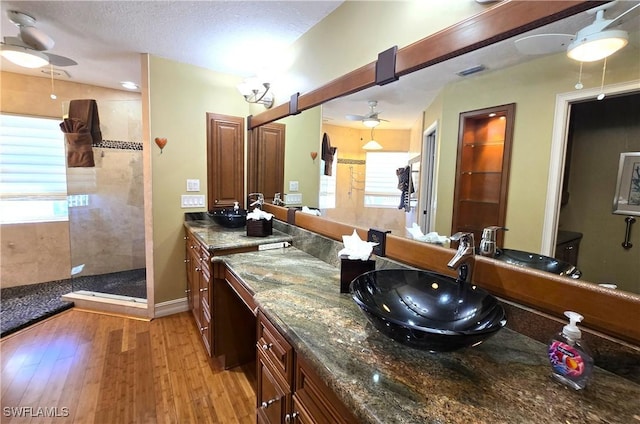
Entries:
{"x":171,"y":307}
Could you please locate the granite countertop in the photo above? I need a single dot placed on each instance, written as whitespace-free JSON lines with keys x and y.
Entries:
{"x":219,"y":238}
{"x":505,"y":379}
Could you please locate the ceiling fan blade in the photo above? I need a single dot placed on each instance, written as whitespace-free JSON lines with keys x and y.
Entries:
{"x":354,"y":117}
{"x":36,"y":38}
{"x":629,"y":13}
{"x":543,"y":43}
{"x":56,"y":60}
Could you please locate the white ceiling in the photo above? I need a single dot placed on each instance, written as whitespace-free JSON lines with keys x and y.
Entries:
{"x":107,"y":37}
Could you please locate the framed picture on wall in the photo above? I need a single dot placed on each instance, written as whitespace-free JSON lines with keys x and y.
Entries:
{"x":627,"y":198}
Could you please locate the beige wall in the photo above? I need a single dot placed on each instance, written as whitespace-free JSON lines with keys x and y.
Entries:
{"x":48,"y":244}
{"x":180,"y":95}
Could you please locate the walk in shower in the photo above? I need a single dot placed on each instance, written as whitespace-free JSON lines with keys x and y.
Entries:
{"x":106,"y":209}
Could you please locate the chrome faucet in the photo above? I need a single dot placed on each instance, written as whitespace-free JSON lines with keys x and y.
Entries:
{"x":259,"y":199}
{"x":277,"y":200}
{"x":488,"y":245}
{"x":462,"y":261}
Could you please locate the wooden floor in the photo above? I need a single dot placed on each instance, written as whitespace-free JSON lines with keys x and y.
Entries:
{"x":91,"y":368}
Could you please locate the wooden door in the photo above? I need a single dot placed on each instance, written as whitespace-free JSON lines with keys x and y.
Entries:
{"x":225,"y":161}
{"x":266,"y":160}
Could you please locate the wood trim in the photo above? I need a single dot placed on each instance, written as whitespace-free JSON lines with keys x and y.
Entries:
{"x":471,"y":34}
{"x":241,"y":290}
{"x":614,"y":312}
{"x":484,"y":29}
{"x":333,"y":230}
{"x":279,"y":212}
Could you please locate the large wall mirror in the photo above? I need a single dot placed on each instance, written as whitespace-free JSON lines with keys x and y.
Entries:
{"x":553,"y":190}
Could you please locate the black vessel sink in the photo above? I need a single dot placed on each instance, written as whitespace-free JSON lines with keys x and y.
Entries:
{"x":536,"y":261}
{"x":427,"y":310}
{"x":230,"y":217}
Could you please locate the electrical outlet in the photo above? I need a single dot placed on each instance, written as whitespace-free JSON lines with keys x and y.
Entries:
{"x":192,"y":201}
{"x":193,"y":185}
{"x":293,"y":186}
{"x":293,"y":199}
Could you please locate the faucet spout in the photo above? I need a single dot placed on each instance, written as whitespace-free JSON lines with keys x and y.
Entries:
{"x":462,"y":261}
{"x":259,"y":199}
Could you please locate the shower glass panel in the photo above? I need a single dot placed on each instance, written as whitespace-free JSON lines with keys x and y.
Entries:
{"x":106,"y":208}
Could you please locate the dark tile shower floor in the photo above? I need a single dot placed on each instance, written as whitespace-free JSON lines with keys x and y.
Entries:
{"x":25,"y":305}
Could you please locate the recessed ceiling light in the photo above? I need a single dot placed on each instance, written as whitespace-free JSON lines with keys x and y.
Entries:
{"x":129,"y":85}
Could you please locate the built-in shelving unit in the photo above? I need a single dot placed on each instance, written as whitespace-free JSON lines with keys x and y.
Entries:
{"x":482,"y":169}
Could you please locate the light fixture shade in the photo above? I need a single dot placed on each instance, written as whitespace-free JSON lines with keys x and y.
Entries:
{"x":24,"y":57}
{"x":597,"y":46}
{"x":255,"y":91}
{"x":371,"y":122}
{"x":372,"y":145}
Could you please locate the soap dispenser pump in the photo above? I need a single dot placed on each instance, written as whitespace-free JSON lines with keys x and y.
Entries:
{"x":570,"y":358}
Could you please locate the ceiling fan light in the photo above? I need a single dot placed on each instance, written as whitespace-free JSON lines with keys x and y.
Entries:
{"x":24,"y":57}
{"x":370,"y":122}
{"x":597,"y":46}
{"x":372,"y":145}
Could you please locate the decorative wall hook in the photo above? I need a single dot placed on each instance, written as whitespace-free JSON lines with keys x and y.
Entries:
{"x":161,"y":142}
{"x":314,"y":155}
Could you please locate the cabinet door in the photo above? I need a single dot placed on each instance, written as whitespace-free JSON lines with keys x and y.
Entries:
{"x":265,"y":160}
{"x":225,"y":160}
{"x":273,"y":399}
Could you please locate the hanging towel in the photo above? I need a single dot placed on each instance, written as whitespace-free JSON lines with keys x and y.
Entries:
{"x":78,"y":140}
{"x":327,"y":154}
{"x":82,"y":130}
{"x":86,"y":110}
{"x":405,"y":185}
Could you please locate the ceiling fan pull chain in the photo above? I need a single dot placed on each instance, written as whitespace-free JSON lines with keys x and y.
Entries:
{"x":604,"y":70}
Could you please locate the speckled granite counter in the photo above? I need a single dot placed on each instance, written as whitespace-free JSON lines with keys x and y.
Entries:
{"x":506,"y":379}
{"x":219,"y":238}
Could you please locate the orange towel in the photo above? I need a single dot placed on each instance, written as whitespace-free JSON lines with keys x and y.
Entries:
{"x":78,"y":140}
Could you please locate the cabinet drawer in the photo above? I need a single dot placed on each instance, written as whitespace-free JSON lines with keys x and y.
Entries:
{"x":271,"y":343}
{"x":316,"y":400}
{"x":273,"y":399}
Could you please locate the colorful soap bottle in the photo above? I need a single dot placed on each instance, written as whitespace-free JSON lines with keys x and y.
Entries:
{"x":570,"y":358}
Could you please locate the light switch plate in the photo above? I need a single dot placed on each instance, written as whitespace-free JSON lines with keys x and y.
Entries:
{"x":193,"y":185}
{"x":192,"y":201}
{"x":293,"y":199}
{"x":294,"y":186}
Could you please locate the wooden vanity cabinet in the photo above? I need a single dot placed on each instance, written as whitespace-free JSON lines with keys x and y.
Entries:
{"x":288,"y":390}
{"x":199,"y":287}
{"x":482,"y":171}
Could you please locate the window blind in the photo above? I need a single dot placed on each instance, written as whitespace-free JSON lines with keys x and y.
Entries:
{"x":33,"y":181}
{"x":381,"y":181}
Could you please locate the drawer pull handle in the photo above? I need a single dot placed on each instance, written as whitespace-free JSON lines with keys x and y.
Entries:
{"x":198,"y":269}
{"x":203,"y":329}
{"x":267,"y":346}
{"x":289,"y":418}
{"x":204,"y":289}
{"x":268,"y":403}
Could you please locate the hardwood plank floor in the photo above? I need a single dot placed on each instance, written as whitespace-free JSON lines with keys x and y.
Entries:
{"x":82,"y":367}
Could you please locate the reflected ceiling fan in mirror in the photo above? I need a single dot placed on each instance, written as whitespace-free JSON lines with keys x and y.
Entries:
{"x":371,"y":119}
{"x":593,"y":42}
{"x":29,"y":48}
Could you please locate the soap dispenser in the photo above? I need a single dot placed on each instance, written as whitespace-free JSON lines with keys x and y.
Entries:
{"x":570,"y":358}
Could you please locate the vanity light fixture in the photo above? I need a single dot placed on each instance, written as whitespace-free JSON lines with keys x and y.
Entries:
{"x":372,"y":144}
{"x":255,"y":91}
{"x":21,"y":56}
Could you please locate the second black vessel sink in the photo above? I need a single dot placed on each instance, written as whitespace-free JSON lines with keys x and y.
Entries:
{"x":230,"y":217}
{"x":427,"y":310}
{"x":537,"y":261}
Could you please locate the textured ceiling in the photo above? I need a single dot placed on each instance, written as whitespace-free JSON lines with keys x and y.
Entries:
{"x":106,"y":37}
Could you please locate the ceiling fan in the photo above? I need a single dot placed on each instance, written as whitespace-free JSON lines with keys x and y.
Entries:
{"x":591,"y":43}
{"x":369,"y":120}
{"x":28,"y":48}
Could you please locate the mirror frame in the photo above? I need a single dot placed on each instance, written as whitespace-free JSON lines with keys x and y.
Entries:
{"x":609,"y":311}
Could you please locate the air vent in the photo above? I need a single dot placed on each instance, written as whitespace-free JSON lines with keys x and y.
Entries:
{"x":470,"y":71}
